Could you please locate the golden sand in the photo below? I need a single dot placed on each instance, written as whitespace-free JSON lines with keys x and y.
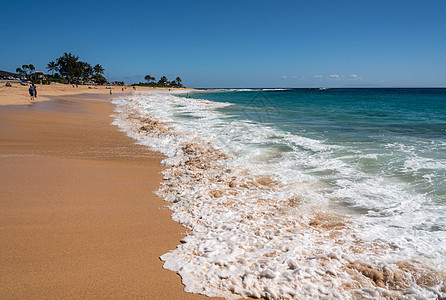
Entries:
{"x":18,"y":94}
{"x":79,"y":218}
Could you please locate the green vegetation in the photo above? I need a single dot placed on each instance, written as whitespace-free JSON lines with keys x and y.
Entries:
{"x":52,"y":66}
{"x":75,"y":71}
{"x":149,"y":78}
{"x":162,"y":82}
{"x":26,"y":71}
{"x":69,"y":69}
{"x":99,"y":78}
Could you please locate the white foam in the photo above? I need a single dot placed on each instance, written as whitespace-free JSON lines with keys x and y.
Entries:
{"x":276,"y":237}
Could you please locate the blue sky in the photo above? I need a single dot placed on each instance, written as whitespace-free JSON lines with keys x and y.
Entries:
{"x":237,"y":43}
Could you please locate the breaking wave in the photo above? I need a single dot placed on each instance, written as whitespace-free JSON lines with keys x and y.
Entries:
{"x":269,"y":230}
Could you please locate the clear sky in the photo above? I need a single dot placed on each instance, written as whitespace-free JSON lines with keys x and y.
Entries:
{"x":312,"y":43}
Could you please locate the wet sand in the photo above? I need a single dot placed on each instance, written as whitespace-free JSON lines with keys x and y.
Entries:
{"x":79,"y":218}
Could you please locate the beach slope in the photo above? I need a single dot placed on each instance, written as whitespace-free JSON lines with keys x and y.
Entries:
{"x":79,"y":218}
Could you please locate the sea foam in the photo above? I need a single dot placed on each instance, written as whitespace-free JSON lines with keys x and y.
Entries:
{"x":257,"y":232}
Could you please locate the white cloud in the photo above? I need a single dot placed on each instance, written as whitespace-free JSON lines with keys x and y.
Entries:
{"x":336,"y":77}
{"x":356,"y":77}
{"x":284,"y":77}
{"x":318,"y":76}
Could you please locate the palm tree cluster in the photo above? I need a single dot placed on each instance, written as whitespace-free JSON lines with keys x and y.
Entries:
{"x":74,"y":70}
{"x":163,"y":82}
{"x":26,"y":70}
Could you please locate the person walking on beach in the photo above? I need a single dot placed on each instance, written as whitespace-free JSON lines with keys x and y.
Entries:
{"x":31,"y":92}
{"x":35,"y":91}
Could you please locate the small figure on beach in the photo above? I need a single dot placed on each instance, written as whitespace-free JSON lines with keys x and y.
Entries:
{"x":35,"y":91}
{"x":110,"y":92}
{"x":8,"y":84}
{"x":134,"y":88}
{"x":122,"y":89}
{"x":31,"y":92}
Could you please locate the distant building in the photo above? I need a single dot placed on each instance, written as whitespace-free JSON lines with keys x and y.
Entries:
{"x":4,"y":75}
{"x":39,"y":75}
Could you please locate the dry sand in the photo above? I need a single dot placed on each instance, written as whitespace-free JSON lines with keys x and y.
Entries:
{"x":78,"y":215}
{"x":18,"y":94}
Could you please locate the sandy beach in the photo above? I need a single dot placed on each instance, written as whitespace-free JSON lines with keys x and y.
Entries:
{"x":79,"y":218}
{"x":18,"y":94}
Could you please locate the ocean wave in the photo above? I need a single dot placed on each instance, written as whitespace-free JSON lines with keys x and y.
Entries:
{"x":258,"y":232}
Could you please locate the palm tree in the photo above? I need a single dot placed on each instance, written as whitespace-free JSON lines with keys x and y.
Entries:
{"x":85,"y":70}
{"x":178,"y":81}
{"x":25,"y":67}
{"x":20,"y":72}
{"x":163,"y":81}
{"x":31,"y":71}
{"x":31,"y":68}
{"x":98,"y":69}
{"x":68,"y":65}
{"x":149,"y":78}
{"x":52,"y":66}
{"x":24,"y":70}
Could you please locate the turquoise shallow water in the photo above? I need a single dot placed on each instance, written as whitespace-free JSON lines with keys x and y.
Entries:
{"x":280,"y":188}
{"x":383,"y":154}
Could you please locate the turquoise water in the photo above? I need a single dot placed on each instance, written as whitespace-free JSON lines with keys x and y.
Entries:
{"x":279,"y":188}
{"x":385,"y":147}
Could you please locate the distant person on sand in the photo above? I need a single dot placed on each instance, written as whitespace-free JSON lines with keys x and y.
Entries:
{"x":35,"y":91}
{"x":31,"y":92}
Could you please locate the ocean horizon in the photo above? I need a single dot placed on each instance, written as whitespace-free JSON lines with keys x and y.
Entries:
{"x":318,"y":88}
{"x":302,"y":192}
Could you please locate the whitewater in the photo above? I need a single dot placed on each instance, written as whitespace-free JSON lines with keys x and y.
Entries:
{"x":268,"y":212}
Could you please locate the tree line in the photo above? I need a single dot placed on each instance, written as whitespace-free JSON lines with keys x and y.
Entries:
{"x":162,"y":82}
{"x":70,"y":69}
{"x":67,"y":68}
{"x":26,"y":70}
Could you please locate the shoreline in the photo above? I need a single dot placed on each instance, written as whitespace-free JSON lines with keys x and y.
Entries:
{"x":79,"y":217}
{"x":248,"y":224}
{"x":17,"y":94}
